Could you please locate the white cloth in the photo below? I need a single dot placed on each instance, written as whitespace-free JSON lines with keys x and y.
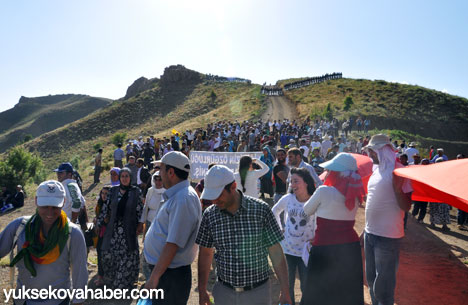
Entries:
{"x":299,"y":227}
{"x":152,"y":204}
{"x":306,"y":150}
{"x":383,"y":214}
{"x":327,"y":202}
{"x":251,"y":180}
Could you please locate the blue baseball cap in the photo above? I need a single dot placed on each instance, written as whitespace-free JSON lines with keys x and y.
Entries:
{"x":64,"y":167}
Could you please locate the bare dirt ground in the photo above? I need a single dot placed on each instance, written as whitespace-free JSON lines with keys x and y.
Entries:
{"x":279,"y":108}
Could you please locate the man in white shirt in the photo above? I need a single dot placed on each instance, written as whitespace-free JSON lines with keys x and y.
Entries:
{"x":74,"y":201}
{"x":388,"y":198}
{"x":411,"y":151}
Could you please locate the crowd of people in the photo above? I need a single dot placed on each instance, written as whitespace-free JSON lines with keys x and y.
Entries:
{"x":308,"y":172}
{"x":223,"y":79}
{"x":271,"y":90}
{"x":312,"y":80}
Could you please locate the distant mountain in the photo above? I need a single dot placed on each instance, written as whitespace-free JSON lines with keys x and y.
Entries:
{"x":38,"y":115}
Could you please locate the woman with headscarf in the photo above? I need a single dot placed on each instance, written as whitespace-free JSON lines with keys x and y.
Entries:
{"x":121,"y":214}
{"x":114,"y":176}
{"x":334,"y":271}
{"x":100,"y":233}
{"x":152,"y":201}
{"x":266,"y":184}
{"x":247,"y":177}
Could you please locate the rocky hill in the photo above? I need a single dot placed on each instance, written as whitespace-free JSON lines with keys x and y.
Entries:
{"x":33,"y":117}
{"x":179,"y":96}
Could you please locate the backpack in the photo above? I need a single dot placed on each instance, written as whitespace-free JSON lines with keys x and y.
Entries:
{"x":79,"y":181}
{"x":15,"y":240}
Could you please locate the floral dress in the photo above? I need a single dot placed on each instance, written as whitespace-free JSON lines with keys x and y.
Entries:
{"x":120,"y":264}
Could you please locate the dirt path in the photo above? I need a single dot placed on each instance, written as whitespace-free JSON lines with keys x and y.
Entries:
{"x":279,"y":108}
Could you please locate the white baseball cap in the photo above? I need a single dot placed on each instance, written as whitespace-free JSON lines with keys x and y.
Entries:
{"x":215,"y":180}
{"x":50,"y":193}
{"x":175,"y":159}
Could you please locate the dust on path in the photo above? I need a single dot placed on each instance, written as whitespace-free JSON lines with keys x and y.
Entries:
{"x":279,"y":108}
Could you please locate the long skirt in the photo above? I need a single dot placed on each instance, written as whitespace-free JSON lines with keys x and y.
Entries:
{"x":120,"y":264}
{"x":440,"y":213}
{"x":334,"y":275}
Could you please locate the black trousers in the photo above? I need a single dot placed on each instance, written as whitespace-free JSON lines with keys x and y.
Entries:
{"x":420,"y":208}
{"x":176,"y":283}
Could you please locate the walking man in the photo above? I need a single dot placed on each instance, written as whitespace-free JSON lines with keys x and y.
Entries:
{"x":119,"y":154}
{"x":280,"y":172}
{"x":97,"y":165}
{"x":74,"y":201}
{"x":244,"y":232}
{"x":388,"y":198}
{"x":48,"y":245}
{"x":295,"y":160}
{"x":170,"y":241}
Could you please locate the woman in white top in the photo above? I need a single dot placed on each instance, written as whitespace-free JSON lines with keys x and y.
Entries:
{"x":299,"y":228}
{"x":153,"y":201}
{"x":247,"y":177}
{"x":334,"y":270}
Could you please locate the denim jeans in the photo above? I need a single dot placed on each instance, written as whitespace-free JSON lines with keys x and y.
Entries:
{"x":382,"y":257}
{"x":296,"y":262}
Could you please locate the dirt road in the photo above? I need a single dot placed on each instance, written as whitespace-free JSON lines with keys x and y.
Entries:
{"x":279,"y":108}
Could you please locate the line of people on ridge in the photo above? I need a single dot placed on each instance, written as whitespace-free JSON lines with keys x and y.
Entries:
{"x":312,"y":80}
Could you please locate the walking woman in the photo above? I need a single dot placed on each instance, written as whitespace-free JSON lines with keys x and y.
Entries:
{"x":121,"y":214}
{"x":247,"y":177}
{"x":334,"y":271}
{"x":298,"y":227}
{"x":100,"y":233}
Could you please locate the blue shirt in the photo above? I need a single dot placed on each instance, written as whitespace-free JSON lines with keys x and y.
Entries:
{"x":177,"y":222}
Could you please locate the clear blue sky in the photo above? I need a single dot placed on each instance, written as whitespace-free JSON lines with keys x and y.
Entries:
{"x":100,"y":47}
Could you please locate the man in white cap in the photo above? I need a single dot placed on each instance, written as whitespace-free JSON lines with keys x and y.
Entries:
{"x":388,"y":198}
{"x":48,"y":245}
{"x":170,"y":241}
{"x":244,"y":232}
{"x":411,"y":151}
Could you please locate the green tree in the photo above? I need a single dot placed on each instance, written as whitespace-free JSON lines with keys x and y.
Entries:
{"x":20,"y":167}
{"x":119,"y":137}
{"x":328,"y":112}
{"x":348,"y":101}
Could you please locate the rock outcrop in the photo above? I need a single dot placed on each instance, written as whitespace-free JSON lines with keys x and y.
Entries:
{"x":140,"y":85}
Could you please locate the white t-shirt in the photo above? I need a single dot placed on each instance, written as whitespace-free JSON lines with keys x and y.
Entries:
{"x":327,"y":202}
{"x":306,"y":150}
{"x":299,"y":227}
{"x":383,"y":214}
{"x":410,"y":152}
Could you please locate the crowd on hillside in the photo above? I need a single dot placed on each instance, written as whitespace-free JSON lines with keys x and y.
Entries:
{"x":271,"y":90}
{"x":307,"y":170}
{"x":223,"y":79}
{"x":312,"y":80}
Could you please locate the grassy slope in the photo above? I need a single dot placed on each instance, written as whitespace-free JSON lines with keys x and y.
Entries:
{"x":36,"y":116}
{"x":153,"y":112}
{"x":414,"y":109}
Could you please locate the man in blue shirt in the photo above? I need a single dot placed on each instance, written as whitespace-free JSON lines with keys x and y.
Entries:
{"x":170,"y":241}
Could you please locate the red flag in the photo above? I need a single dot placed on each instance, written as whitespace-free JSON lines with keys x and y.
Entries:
{"x":445,"y":182}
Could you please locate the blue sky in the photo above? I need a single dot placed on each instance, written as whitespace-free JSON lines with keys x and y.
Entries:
{"x":100,"y":47}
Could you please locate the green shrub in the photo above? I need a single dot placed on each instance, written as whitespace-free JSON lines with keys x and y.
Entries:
{"x":328,"y":112}
{"x":348,"y":101}
{"x":75,"y":162}
{"x":97,"y":146}
{"x":119,"y":137}
{"x":20,"y":167}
